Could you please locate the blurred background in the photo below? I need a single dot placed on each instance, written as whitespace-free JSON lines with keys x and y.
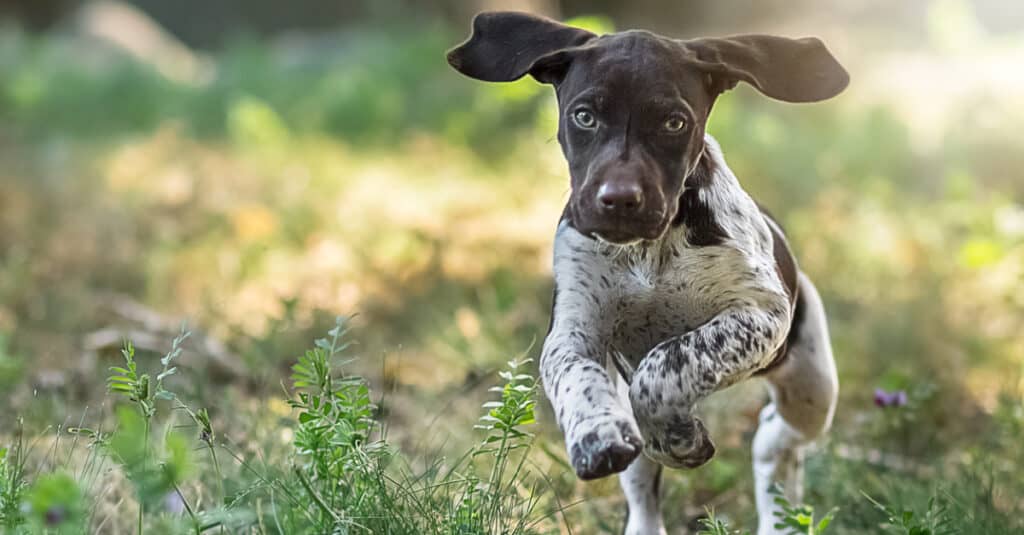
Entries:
{"x":258,"y":167}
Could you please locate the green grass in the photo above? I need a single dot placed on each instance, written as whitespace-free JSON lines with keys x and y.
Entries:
{"x":340,"y":473}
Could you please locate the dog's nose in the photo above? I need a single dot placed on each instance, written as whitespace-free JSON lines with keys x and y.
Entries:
{"x":620,"y":195}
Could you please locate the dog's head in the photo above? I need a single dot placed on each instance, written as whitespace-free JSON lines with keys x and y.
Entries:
{"x":633,"y":104}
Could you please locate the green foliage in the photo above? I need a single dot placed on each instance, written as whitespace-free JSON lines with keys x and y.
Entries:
{"x":369,"y":89}
{"x":799,"y":519}
{"x":713,"y":525}
{"x":154,"y":476}
{"x":334,"y":438}
{"x":57,"y":505}
{"x":499,"y":508}
{"x":12,"y":483}
{"x":129,"y":382}
{"x":155,"y":469}
{"x":964,"y":497}
{"x":10,"y":365}
{"x":934,"y":520}
{"x":356,"y":480}
{"x":514,"y":410}
{"x":791,"y":520}
{"x":342,"y":477}
{"x":593,"y":23}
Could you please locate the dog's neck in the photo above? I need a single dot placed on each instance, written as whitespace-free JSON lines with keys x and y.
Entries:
{"x":696,"y":212}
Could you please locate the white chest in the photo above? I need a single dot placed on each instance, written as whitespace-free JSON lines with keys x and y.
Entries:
{"x":665,"y":295}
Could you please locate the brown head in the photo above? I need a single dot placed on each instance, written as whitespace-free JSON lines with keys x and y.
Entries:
{"x":633,"y":105}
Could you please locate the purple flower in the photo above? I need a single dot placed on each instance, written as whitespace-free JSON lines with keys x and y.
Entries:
{"x":173,"y":503}
{"x":56,"y":515}
{"x":896,"y":398}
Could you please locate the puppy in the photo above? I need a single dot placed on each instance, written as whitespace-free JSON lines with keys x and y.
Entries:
{"x":663,"y":264}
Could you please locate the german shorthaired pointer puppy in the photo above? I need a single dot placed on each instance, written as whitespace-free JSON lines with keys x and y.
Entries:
{"x":663,"y":265}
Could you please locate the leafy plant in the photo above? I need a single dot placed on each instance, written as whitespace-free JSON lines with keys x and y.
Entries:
{"x":12,"y":482}
{"x":712,"y":525}
{"x":334,"y":439}
{"x":935,"y":520}
{"x":496,"y":504}
{"x":155,"y":476}
{"x":514,"y":410}
{"x":799,"y":519}
{"x":335,"y":412}
{"x":792,"y":519}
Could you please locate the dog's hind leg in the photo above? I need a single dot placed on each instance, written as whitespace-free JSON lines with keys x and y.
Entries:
{"x":804,"y":389}
{"x":641,"y":483}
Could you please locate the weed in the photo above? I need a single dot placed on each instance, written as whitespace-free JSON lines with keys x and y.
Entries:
{"x":792,"y":519}
{"x":12,"y":482}
{"x":933,"y":521}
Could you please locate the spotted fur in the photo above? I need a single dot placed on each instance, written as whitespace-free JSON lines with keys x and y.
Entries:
{"x":683,"y":318}
{"x":663,"y":264}
{"x":689,"y":316}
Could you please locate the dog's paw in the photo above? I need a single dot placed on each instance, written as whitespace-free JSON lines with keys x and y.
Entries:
{"x":680,"y":442}
{"x":604,"y":445}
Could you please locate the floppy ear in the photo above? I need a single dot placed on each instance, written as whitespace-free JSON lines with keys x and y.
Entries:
{"x":793,"y":70}
{"x":506,"y":45}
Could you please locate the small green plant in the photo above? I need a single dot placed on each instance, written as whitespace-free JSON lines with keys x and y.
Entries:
{"x":12,"y":483}
{"x":354,"y":481}
{"x":712,"y":525}
{"x":336,"y":439}
{"x":156,"y":474}
{"x":136,"y":388}
{"x":799,"y":519}
{"x":514,"y":410}
{"x":336,"y":425}
{"x":792,"y":519}
{"x":503,"y":424}
{"x":934,"y":521}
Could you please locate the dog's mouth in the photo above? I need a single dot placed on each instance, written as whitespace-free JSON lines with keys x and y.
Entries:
{"x":624,"y":232}
{"x":617,"y":238}
{"x":626,"y":235}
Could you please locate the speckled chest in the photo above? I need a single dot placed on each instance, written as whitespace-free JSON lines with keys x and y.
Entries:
{"x":656,"y":294}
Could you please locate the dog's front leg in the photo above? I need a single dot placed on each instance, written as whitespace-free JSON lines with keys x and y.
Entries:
{"x":600,"y":434}
{"x":681,"y":371}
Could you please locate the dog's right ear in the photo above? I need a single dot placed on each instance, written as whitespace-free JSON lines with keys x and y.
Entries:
{"x":506,"y":45}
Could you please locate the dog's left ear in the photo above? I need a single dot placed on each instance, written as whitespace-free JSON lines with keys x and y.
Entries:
{"x":506,"y":45}
{"x":792,"y":70}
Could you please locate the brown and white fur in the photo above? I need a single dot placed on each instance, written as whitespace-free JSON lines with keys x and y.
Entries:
{"x":664,"y":266}
{"x":699,"y":318}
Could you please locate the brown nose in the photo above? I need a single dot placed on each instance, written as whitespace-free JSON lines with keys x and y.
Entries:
{"x":620,"y":195}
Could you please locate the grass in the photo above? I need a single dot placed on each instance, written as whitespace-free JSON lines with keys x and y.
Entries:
{"x":340,"y":474}
{"x":790,"y":519}
{"x":264,"y":204}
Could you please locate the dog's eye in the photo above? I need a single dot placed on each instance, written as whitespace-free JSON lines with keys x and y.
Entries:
{"x":674,"y":124}
{"x":584,"y":119}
